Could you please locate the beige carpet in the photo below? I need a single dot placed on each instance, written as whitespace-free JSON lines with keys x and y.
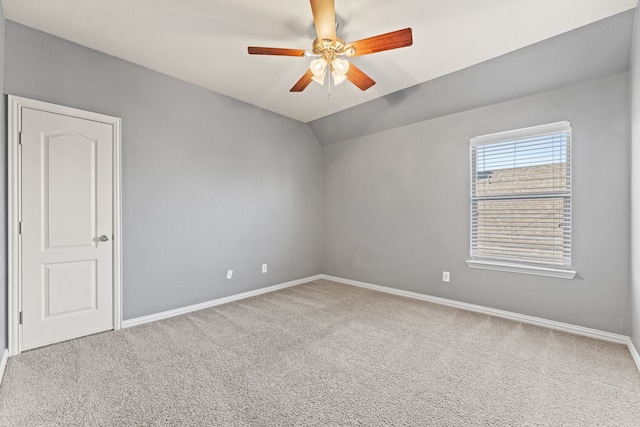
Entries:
{"x":325,"y":354}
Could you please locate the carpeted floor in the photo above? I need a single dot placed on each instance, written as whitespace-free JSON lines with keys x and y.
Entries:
{"x":325,"y":354}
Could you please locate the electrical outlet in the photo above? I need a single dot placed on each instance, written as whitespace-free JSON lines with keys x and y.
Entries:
{"x":229,"y":274}
{"x":446,"y":276}
{"x":264,"y":268}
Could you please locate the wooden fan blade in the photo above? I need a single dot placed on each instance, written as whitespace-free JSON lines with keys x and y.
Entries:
{"x":356,"y":76}
{"x":253,"y":50}
{"x":388,"y":41}
{"x":324,"y":18}
{"x":303,"y":82}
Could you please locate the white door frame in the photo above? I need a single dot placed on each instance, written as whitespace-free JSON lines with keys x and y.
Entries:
{"x":16,"y":104}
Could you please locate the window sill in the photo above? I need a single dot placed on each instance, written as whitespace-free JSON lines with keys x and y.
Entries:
{"x":521,"y":268}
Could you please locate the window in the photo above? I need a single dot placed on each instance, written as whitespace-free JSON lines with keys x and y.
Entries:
{"x":521,"y":201}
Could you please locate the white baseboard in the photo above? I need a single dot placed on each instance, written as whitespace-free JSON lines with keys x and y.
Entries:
{"x":188,"y":309}
{"x":3,"y":363}
{"x":634,"y":352}
{"x":531,"y":320}
{"x":537,"y":321}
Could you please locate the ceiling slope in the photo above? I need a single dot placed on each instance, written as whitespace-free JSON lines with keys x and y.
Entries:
{"x":205,"y":41}
{"x":560,"y":61}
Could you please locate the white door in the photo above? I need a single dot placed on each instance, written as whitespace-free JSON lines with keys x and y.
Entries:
{"x":67,"y":227}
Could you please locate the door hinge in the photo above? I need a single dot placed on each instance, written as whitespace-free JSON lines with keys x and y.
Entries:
{"x":21,"y":318}
{"x":20,"y":227}
{"x":20,"y":138}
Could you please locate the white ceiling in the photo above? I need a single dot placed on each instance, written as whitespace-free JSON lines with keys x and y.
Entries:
{"x":205,"y":41}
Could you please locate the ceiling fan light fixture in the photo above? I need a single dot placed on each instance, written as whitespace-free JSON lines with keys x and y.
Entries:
{"x":340,"y":66}
{"x":319,"y":79}
{"x":337,"y":79}
{"x":318,"y":67}
{"x":339,"y":69}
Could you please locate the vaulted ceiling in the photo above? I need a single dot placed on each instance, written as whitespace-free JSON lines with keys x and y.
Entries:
{"x":205,"y":41}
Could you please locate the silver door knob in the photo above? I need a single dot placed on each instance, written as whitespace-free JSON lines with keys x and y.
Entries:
{"x":104,"y":238}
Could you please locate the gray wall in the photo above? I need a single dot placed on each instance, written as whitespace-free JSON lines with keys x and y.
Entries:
{"x":396,"y":207}
{"x":3,"y":211}
{"x":209,"y":183}
{"x":634,"y":298}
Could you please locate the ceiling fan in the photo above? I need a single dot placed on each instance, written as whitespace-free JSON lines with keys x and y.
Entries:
{"x":329,"y":49}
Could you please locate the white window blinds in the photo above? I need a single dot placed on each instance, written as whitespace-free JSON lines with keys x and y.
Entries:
{"x":521,"y":196}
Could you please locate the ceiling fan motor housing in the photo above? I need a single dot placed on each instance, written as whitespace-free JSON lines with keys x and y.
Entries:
{"x":329,"y":49}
